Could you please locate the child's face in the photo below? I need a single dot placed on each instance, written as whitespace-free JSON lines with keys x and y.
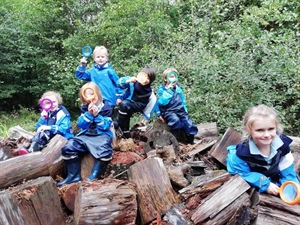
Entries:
{"x":100,"y":57}
{"x":91,"y":96}
{"x":263,"y":131}
{"x":54,"y":102}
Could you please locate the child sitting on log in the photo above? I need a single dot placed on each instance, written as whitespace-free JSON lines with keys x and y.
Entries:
{"x":95,"y":136}
{"x":264,"y":158}
{"x":172,"y":109}
{"x":55,"y":119}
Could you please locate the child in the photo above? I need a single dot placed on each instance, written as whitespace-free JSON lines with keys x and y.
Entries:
{"x":138,"y":98}
{"x":172,"y":107}
{"x":102,"y":74}
{"x":95,"y":136}
{"x":264,"y":158}
{"x":56,"y":121}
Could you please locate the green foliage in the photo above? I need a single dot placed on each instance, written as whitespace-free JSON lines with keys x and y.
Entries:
{"x":230,"y":54}
{"x":23,"y":117}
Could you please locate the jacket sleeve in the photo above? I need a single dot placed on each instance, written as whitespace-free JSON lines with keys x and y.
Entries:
{"x":62,"y":126}
{"x":182,"y":97}
{"x":165,"y":97}
{"x":85,"y":120}
{"x":287,"y":171}
{"x":40,"y":122}
{"x":121,"y":83}
{"x":235,"y":165}
{"x":82,"y":74}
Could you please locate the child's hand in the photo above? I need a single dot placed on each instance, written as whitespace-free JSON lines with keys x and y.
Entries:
{"x":118,"y":101}
{"x":83,"y":61}
{"x":170,"y":85}
{"x":131,"y":80}
{"x":44,"y":114}
{"x":93,"y":109}
{"x":162,"y":119}
{"x":43,"y":128}
{"x":273,"y":189}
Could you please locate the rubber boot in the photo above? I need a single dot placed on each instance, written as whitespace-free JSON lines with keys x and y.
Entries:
{"x":127,"y":134}
{"x":190,"y":139}
{"x":73,"y":169}
{"x":98,"y":169}
{"x":34,"y":147}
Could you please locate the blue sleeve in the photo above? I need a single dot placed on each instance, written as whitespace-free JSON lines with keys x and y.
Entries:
{"x":180,"y":91}
{"x":40,"y":122}
{"x":166,"y":97}
{"x":85,"y":120}
{"x":83,"y":74}
{"x":121,"y":83}
{"x":62,"y":126}
{"x":235,"y":165}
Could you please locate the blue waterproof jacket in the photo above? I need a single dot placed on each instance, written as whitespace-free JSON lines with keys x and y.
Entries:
{"x":59,"y":121}
{"x":172,"y":100}
{"x":105,"y":77}
{"x":94,"y":125}
{"x":256,"y":170}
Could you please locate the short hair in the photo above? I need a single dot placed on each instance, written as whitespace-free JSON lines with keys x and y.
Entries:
{"x":100,"y":48}
{"x":93,"y":86}
{"x":150,"y":72}
{"x":263,"y":111}
{"x":56,"y":94}
{"x":167,"y":71}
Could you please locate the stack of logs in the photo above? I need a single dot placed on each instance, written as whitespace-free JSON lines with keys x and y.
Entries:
{"x":155,"y":181}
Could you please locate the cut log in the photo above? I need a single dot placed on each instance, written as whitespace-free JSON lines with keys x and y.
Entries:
{"x":207,"y":131}
{"x":35,"y":202}
{"x":154,"y":189}
{"x":220,"y":199}
{"x":105,"y":202}
{"x":33,"y":165}
{"x":219,"y":150}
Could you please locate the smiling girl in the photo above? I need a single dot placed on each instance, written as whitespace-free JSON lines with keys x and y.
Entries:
{"x":264,"y":158}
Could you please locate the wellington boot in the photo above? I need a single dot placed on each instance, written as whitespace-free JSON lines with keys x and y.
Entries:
{"x":34,"y":147}
{"x":73,"y":169}
{"x":98,"y":169}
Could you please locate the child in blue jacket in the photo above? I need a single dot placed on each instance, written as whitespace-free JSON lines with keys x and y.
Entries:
{"x":95,"y":136}
{"x":264,"y":158}
{"x":172,"y":107}
{"x":138,"y":97}
{"x":103,"y":74}
{"x":56,"y":120}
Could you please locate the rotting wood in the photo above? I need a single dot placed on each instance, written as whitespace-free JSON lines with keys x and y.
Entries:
{"x":220,"y":199}
{"x":105,"y":202}
{"x":35,"y":202}
{"x":219,"y":150}
{"x":154,"y":189}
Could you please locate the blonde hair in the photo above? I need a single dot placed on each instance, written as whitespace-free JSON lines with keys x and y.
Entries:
{"x":262,"y":111}
{"x":167,"y":71}
{"x":55,"y":94}
{"x":100,"y":49}
{"x":93,"y":86}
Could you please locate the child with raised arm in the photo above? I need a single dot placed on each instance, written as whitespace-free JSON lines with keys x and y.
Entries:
{"x":103,"y":74}
{"x":264,"y":158}
{"x":56,"y":120}
{"x":138,"y":97}
{"x":172,"y":107}
{"x":95,"y":136}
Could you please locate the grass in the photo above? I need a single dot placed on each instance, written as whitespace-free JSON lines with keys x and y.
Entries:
{"x":26,"y":118}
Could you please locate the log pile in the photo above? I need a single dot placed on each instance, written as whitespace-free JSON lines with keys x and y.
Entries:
{"x":152,"y":179}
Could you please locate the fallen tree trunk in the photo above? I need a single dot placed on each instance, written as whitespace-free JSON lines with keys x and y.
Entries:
{"x":33,"y":165}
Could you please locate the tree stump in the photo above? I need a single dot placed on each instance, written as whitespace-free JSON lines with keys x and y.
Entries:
{"x":105,"y":202}
{"x":33,"y":203}
{"x":154,"y":189}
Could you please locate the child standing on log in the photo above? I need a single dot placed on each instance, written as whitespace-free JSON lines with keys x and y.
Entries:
{"x":138,"y":97}
{"x":264,"y":158}
{"x":55,"y":120}
{"x":103,"y":74}
{"x":95,"y":136}
{"x":172,"y":109}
